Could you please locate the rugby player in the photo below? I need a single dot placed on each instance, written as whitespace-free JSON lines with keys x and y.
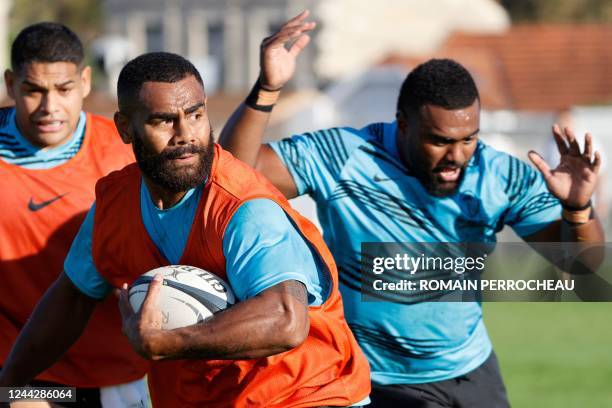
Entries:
{"x":51,"y":155}
{"x":187,"y":201}
{"x":425,"y":177}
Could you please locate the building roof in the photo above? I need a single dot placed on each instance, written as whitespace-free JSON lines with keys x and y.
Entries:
{"x":535,"y":67}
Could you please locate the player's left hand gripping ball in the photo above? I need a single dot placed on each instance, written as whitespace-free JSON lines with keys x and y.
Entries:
{"x":143,"y":327}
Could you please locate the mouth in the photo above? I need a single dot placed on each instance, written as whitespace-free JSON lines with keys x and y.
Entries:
{"x":184,"y":158}
{"x":449,"y":174}
{"x":50,"y":126}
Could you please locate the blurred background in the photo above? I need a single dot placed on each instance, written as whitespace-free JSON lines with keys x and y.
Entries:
{"x":536,"y":62}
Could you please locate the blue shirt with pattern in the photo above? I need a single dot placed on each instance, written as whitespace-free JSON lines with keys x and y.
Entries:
{"x":364,"y":193}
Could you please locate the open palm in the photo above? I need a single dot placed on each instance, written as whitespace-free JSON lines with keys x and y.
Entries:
{"x":574,"y":179}
{"x":277,"y":61}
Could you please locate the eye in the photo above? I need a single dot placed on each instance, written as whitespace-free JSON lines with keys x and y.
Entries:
{"x":196,"y":116}
{"x":64,"y":91}
{"x":161,"y":122}
{"x":468,"y":140}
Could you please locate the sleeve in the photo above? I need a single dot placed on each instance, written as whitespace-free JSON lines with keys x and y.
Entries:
{"x":531,"y":206}
{"x":79,"y":265}
{"x":262,"y":248}
{"x":315,"y":160}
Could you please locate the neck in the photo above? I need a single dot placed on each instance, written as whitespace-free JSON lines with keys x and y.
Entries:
{"x":403,"y":154}
{"x":161,"y":197}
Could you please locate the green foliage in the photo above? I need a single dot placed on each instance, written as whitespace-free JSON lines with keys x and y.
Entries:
{"x":559,"y":11}
{"x":82,"y":16}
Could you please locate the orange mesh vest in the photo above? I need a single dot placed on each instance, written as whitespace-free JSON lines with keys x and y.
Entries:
{"x":327,"y":369}
{"x":42,"y":211}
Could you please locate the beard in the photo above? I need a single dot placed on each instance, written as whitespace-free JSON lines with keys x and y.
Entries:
{"x":162,"y":170}
{"x":433,"y":185}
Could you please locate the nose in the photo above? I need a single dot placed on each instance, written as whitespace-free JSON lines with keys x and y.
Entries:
{"x":183,"y":132}
{"x":49,"y":103}
{"x":455,"y":153}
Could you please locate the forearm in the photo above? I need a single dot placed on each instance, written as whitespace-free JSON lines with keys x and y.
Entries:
{"x":243,"y":133}
{"x":589,"y":232}
{"x":56,"y":323}
{"x":260,"y":327}
{"x":586,"y":246}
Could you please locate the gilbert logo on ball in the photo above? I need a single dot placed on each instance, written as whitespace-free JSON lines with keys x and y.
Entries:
{"x":188,"y":295}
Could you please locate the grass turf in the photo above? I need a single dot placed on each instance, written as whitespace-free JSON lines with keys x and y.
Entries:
{"x":554,"y":354}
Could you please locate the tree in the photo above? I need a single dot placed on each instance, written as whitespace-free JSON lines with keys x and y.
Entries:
{"x":82,"y":16}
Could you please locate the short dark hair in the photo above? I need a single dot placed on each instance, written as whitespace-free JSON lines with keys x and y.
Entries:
{"x":439,"y":82}
{"x":151,"y":67}
{"x":46,"y":42}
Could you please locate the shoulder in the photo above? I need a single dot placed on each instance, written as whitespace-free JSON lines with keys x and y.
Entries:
{"x":352,"y":138}
{"x":237,"y":180}
{"x":262,"y":211}
{"x":259,"y":217}
{"x":102,"y":130}
{"x":375,"y":132}
{"x":5,"y":115}
{"x":496,"y":162}
{"x":513,"y":173}
{"x":340,"y":140}
{"x":100,"y":122}
{"x":106,"y":139}
{"x":118,"y":177}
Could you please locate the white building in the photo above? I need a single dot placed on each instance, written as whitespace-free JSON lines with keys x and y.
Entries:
{"x":223,"y":37}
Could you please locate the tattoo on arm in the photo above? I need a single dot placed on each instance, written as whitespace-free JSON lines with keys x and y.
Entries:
{"x":219,"y":338}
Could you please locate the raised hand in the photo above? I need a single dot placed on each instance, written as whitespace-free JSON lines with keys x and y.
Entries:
{"x":573,"y":180}
{"x":277,"y":63}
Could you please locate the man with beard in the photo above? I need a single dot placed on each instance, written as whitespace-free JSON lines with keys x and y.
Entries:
{"x":422,"y":178}
{"x":51,"y":155}
{"x":187,"y":201}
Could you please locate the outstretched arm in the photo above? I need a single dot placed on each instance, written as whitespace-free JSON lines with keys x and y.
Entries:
{"x":56,"y":323}
{"x":243,"y":133}
{"x":272,"y":322}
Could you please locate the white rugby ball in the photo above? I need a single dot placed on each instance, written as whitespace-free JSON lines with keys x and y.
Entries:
{"x":188,"y":295}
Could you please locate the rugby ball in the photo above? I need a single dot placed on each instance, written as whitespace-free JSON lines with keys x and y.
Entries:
{"x":188,"y":296}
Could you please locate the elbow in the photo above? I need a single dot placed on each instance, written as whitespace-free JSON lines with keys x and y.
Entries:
{"x":147,"y":350}
{"x":151,"y":346}
{"x":293,"y":326}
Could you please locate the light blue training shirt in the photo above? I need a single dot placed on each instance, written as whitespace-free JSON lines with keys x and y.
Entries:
{"x":364,"y":193}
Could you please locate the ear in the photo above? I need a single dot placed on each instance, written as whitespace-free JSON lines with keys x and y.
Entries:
{"x":9,"y":81}
{"x":122,"y":123}
{"x":86,"y":80}
{"x":402,"y":122}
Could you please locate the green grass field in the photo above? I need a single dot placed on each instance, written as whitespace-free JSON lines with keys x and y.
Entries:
{"x":554,"y":354}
